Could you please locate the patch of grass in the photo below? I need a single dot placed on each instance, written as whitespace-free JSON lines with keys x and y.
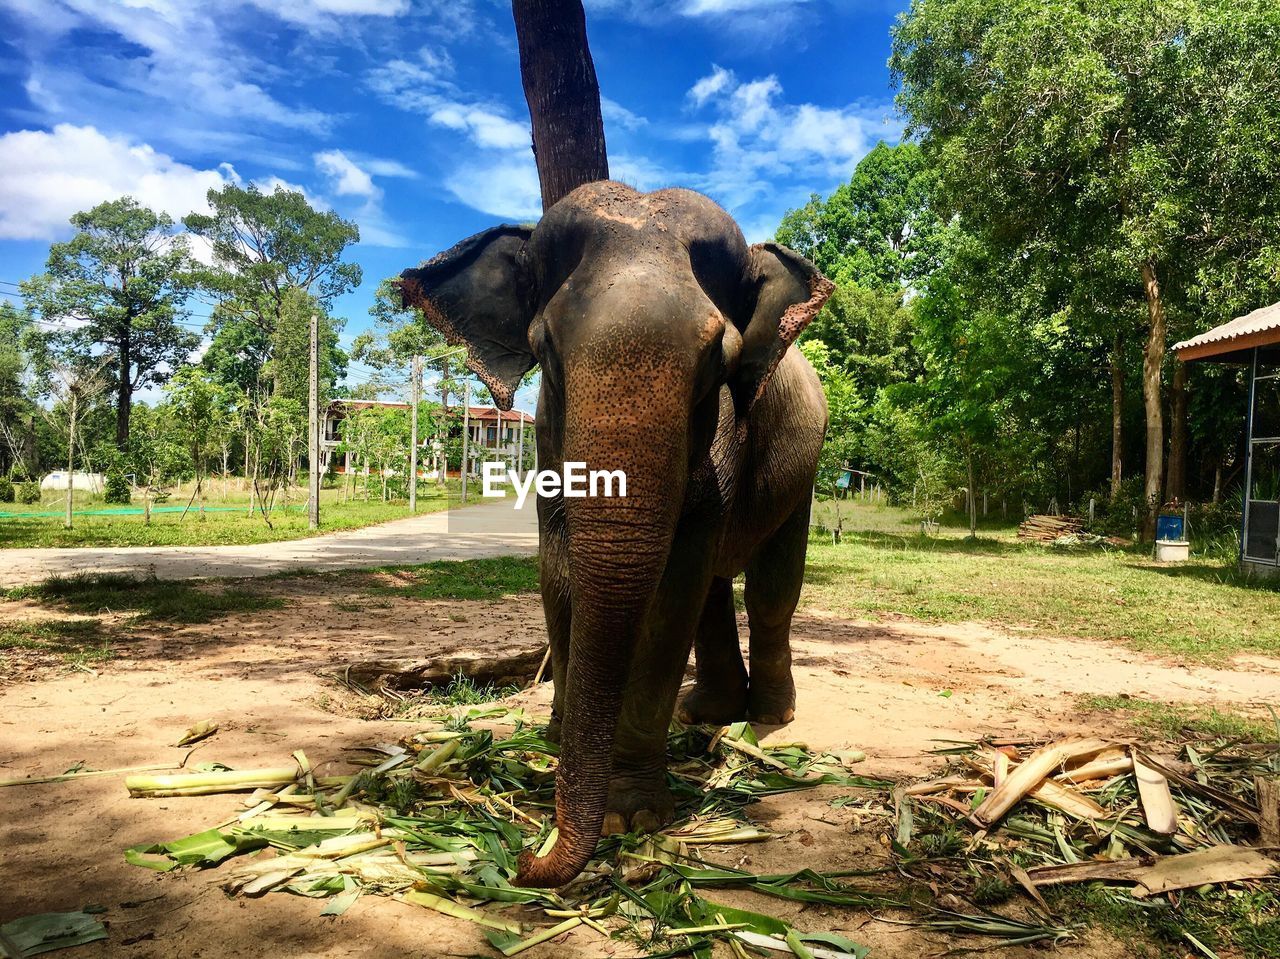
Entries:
{"x":149,"y":599}
{"x":1174,"y":720}
{"x":1200,"y":610}
{"x":465,"y":579}
{"x":1231,"y":922}
{"x":52,"y":642}
{"x":115,"y":527}
{"x":462,"y":690}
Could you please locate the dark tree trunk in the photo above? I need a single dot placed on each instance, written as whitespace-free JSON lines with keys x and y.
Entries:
{"x":564,"y":97}
{"x":1175,"y":487}
{"x":1152,"y":360}
{"x":1117,"y":415}
{"x":124,"y":394}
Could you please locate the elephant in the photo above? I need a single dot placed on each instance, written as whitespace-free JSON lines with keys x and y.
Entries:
{"x":666,"y":350}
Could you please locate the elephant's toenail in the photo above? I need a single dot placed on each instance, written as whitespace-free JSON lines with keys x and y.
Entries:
{"x":614,"y":823}
{"x":646,"y":820}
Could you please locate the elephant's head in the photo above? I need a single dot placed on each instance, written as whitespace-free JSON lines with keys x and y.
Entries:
{"x":639,"y":308}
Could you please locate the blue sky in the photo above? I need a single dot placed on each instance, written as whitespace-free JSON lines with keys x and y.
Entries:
{"x":408,"y":116}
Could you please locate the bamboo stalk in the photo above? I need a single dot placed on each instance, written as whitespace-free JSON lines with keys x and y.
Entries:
{"x":545,"y":936}
{"x":202,"y":784}
{"x":450,"y":908}
{"x":93,"y":773}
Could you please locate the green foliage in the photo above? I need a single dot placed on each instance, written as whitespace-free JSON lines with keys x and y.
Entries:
{"x":125,"y":275}
{"x":18,"y":411}
{"x":267,"y":243}
{"x":1084,"y":145}
{"x":156,"y":454}
{"x":289,"y":365}
{"x":7,"y":491}
{"x":880,"y":230}
{"x":463,"y":691}
{"x":117,"y":489}
{"x":28,"y":492}
{"x":844,"y":411}
{"x":1118,"y":515}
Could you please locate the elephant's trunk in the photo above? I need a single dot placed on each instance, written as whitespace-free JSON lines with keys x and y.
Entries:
{"x":618,"y":549}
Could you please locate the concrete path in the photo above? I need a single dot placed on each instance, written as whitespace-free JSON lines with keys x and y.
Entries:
{"x":490,"y":529}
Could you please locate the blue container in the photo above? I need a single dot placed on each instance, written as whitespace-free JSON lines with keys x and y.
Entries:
{"x":1169,"y":528}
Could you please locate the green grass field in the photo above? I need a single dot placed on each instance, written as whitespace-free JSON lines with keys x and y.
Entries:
{"x":226,"y":521}
{"x":1204,"y":609}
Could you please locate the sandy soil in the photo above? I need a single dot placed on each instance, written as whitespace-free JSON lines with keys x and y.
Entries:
{"x":870,"y":685}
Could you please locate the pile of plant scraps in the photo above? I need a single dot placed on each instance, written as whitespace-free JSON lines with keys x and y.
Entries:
{"x":1081,"y":810}
{"x":438,"y":819}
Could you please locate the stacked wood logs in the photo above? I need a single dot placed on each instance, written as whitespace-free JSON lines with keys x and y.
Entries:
{"x":1042,"y":528}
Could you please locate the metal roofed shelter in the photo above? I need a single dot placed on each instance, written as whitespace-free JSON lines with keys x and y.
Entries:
{"x":1254,"y":341}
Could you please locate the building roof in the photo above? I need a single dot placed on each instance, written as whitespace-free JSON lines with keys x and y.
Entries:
{"x":476,"y":412}
{"x":387,"y":404}
{"x":1231,"y":342}
{"x":491,"y":413}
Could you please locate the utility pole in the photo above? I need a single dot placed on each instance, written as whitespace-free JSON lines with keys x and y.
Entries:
{"x":313,"y":430}
{"x":520,"y":444}
{"x":415,"y":394}
{"x":466,"y":432}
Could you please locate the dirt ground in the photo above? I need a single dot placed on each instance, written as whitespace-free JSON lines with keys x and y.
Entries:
{"x":877,"y":686}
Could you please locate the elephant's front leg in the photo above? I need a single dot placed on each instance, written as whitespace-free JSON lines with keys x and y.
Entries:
{"x":720,"y":695}
{"x":772,"y":591}
{"x":553,"y":578}
{"x":638,"y":794}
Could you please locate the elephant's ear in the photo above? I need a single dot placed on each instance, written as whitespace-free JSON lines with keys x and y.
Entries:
{"x":480,"y":294}
{"x":786,"y":292}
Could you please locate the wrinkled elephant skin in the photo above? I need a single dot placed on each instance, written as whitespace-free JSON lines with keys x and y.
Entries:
{"x":665,"y":344}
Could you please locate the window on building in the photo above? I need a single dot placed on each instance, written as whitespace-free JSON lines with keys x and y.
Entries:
{"x":1262,"y":505}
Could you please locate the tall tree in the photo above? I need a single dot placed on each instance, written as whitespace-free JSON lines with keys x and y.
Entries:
{"x":560,"y":86}
{"x":1093,"y":127}
{"x":18,"y":410}
{"x":119,"y":285}
{"x":265,"y":243}
{"x":289,"y":365}
{"x":880,"y":230}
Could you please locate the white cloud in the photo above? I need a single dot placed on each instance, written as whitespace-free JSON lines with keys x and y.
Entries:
{"x":643,"y":172}
{"x":187,"y":64}
{"x":50,"y":175}
{"x":423,"y":85}
{"x":716,"y":81}
{"x":760,"y":140}
{"x":699,"y":8}
{"x":485,"y":127}
{"x":302,"y":11}
{"x":506,"y":188}
{"x":347,"y":178}
{"x":379,"y":167}
{"x":615,"y":113}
